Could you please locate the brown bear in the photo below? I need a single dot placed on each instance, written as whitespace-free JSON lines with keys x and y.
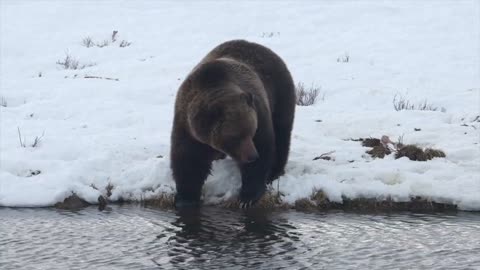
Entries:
{"x":238,"y":101}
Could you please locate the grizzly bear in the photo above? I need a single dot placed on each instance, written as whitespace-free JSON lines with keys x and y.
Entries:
{"x":238,"y":101}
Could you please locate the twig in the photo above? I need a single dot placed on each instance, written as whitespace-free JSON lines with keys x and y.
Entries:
{"x":325,"y":156}
{"x":114,"y":35}
{"x":3,"y":102}
{"x":278,"y":188}
{"x":22,"y":143}
{"x":38,"y":139}
{"x":101,"y":78}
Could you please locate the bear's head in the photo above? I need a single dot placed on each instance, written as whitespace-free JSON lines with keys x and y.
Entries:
{"x":227,"y":121}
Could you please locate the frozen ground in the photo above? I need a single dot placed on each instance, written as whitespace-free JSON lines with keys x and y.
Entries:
{"x":99,"y":131}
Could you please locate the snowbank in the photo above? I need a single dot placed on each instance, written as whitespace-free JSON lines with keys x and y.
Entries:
{"x":98,"y":131}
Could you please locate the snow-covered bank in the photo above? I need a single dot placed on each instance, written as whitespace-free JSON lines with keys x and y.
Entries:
{"x":99,"y":131}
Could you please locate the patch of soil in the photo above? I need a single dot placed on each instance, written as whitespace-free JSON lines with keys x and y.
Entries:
{"x":371,"y":142}
{"x":319,"y":201}
{"x":415,"y":153}
{"x":380,"y":149}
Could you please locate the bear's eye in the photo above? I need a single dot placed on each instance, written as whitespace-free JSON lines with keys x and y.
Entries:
{"x":249,"y":98}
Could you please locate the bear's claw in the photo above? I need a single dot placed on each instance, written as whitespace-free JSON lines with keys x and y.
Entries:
{"x":249,"y":198}
{"x":246,"y":205}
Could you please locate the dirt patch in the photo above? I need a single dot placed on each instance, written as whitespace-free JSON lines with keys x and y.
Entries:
{"x":413,"y":152}
{"x":384,"y":146}
{"x":319,"y":201}
{"x":370,"y":142}
{"x":379,"y":151}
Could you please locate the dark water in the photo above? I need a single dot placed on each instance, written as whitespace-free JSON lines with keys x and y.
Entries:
{"x":132,"y":237}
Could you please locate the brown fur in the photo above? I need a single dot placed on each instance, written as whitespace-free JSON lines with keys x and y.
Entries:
{"x":240,"y":101}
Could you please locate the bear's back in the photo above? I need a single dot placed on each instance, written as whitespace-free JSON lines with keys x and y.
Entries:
{"x":270,"y":68}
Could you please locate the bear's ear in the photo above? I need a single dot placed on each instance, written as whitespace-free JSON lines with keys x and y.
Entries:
{"x":249,"y":98}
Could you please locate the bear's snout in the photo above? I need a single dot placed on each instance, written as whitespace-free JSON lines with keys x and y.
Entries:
{"x":252,"y":157}
{"x":248,"y":152}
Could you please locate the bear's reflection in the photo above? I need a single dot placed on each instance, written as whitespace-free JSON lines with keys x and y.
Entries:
{"x":219,"y":237}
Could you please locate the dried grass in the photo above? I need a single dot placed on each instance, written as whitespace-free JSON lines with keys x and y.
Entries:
{"x":307,"y":97}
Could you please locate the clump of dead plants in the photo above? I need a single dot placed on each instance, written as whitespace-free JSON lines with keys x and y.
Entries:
{"x":384,"y":146}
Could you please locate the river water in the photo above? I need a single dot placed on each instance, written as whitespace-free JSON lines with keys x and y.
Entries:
{"x":134,"y":237}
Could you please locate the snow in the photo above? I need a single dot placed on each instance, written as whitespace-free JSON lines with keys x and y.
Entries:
{"x":99,"y":131}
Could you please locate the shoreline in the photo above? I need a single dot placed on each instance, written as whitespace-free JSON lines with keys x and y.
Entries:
{"x":317,"y":202}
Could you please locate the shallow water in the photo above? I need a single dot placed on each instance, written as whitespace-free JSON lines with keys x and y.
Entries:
{"x":133,"y":237}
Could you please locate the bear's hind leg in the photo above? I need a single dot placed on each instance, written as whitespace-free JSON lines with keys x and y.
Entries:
{"x":282,"y":148}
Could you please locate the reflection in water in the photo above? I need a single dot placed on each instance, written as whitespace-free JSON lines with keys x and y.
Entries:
{"x":131,"y":237}
{"x":218,"y":237}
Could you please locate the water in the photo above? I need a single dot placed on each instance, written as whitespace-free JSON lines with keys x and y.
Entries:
{"x":132,"y":237}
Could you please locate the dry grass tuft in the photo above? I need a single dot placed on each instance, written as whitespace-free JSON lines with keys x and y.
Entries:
{"x":89,"y":42}
{"x":162,"y":200}
{"x":307,"y":97}
{"x":103,"y":43}
{"x":345,"y":58}
{"x":108,"y":189}
{"x":124,"y":44}
{"x":270,"y":200}
{"x":23,"y":142}
{"x":70,"y":62}
{"x":401,"y":103}
{"x":304,"y":205}
{"x":320,"y":198}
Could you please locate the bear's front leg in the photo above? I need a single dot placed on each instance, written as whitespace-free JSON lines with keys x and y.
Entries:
{"x":255,"y":175}
{"x":191,"y":163}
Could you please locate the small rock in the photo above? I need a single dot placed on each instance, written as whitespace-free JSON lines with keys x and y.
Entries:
{"x":102,"y":203}
{"x":33,"y":173}
{"x":72,"y":202}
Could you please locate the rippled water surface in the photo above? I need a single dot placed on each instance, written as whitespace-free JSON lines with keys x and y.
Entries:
{"x":132,"y":237}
